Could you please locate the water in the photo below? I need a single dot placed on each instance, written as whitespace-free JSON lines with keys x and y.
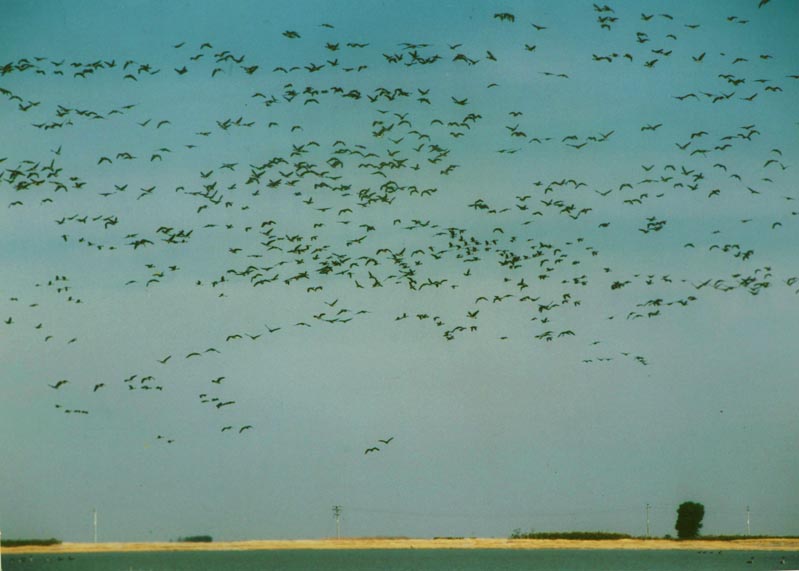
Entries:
{"x":409,"y":560}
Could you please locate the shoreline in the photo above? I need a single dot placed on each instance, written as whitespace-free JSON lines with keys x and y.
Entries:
{"x":776,"y":544}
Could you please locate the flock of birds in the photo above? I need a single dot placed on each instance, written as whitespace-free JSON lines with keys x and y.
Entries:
{"x":383,"y":205}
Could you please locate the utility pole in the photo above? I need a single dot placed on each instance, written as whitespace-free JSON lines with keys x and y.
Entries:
{"x":94,"y":518}
{"x":337,"y":515}
{"x":647,"y":521}
{"x":748,"y":528}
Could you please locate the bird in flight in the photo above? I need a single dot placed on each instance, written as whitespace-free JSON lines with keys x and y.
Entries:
{"x":505,"y":17}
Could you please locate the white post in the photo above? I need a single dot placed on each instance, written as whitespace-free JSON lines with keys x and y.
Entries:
{"x":94,"y":513}
{"x":748,"y":528}
{"x":337,"y":513}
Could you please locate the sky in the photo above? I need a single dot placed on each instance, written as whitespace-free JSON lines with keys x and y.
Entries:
{"x":459,"y":268}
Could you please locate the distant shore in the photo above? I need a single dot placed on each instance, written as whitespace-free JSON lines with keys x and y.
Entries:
{"x":788,"y":544}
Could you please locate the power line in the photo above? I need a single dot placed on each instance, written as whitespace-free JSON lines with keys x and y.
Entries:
{"x":496,"y":515}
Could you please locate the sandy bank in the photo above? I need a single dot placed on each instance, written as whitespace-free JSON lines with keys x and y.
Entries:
{"x":381,"y":543}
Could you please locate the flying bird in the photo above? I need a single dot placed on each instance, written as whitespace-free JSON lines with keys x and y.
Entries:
{"x":505,"y":17}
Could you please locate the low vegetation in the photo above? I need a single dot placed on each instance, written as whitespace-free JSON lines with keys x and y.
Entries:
{"x":599,"y":535}
{"x":744,"y":537}
{"x":519,"y":534}
{"x":21,"y":542}
{"x":196,"y":539}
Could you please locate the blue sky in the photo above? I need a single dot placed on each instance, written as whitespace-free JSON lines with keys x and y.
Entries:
{"x":565,"y":286}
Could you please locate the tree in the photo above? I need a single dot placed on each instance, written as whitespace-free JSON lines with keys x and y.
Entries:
{"x":689,"y":520}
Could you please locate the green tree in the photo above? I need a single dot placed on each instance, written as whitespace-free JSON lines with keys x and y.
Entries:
{"x":689,"y":520}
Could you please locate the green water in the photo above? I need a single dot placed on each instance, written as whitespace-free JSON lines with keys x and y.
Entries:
{"x":408,"y":560}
